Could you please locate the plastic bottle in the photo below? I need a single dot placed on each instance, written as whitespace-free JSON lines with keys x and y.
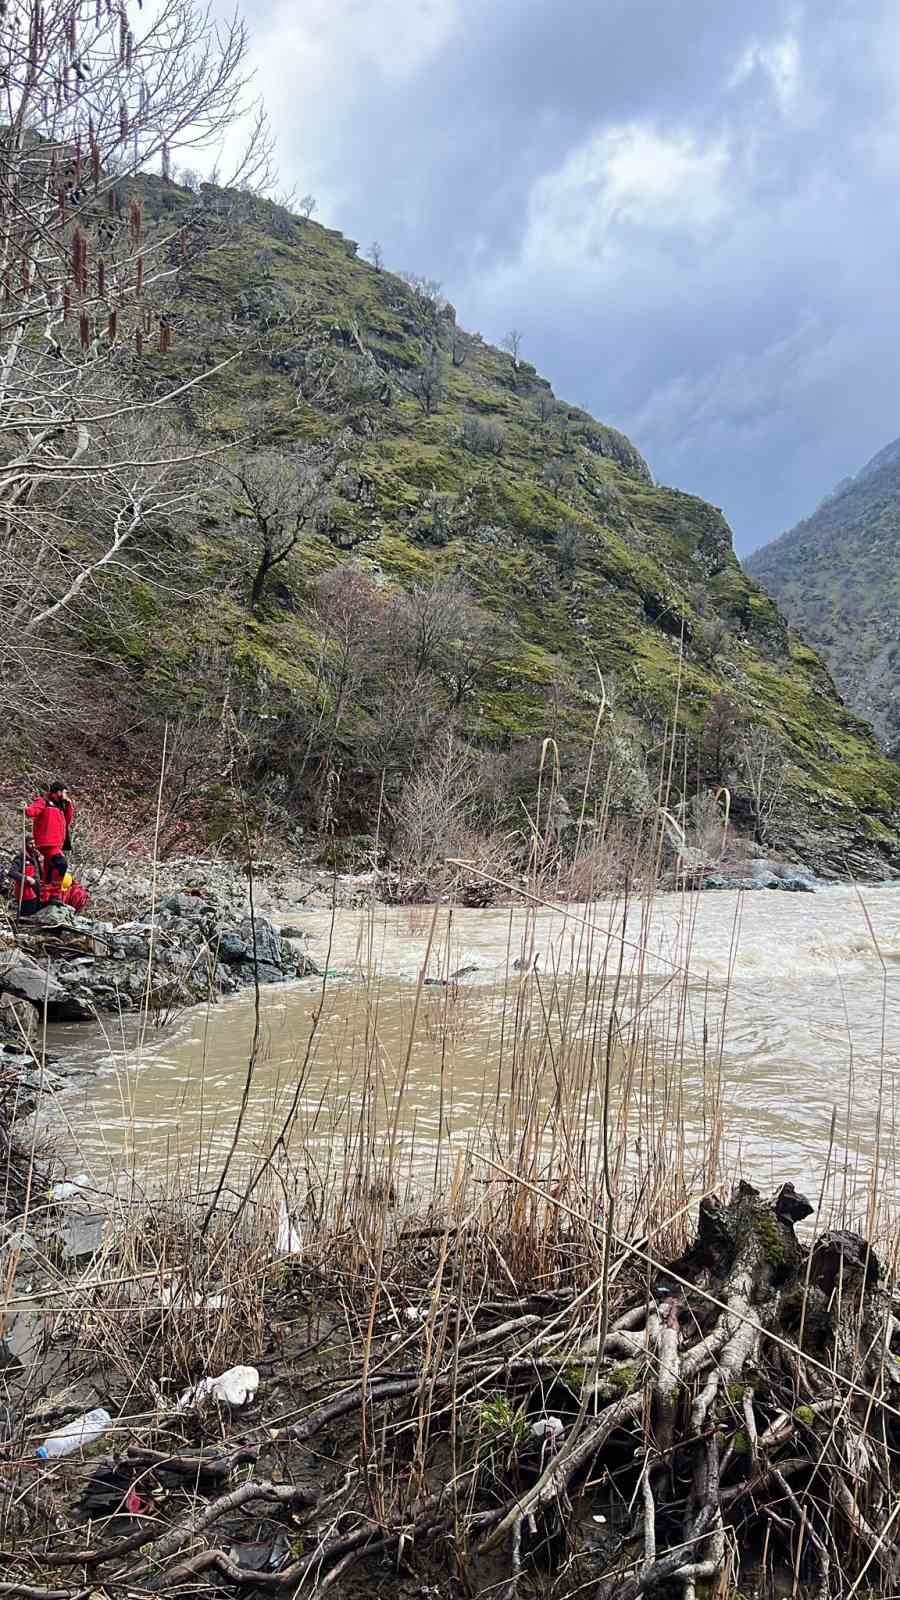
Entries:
{"x":75,"y":1435}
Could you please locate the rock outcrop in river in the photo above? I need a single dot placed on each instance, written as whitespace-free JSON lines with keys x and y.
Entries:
{"x":193,"y":945}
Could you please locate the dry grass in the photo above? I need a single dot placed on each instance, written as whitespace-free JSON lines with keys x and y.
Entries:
{"x":163,"y":1302}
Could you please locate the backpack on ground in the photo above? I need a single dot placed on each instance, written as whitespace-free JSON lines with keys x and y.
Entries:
{"x":76,"y":896}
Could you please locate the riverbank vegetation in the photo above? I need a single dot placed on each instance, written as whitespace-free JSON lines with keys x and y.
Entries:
{"x":555,"y":1348}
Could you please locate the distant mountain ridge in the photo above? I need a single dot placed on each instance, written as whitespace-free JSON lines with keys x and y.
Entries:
{"x":836,"y":575}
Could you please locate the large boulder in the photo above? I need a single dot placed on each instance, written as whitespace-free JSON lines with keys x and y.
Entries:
{"x":26,"y":980}
{"x":797,"y":883}
{"x":262,"y":972}
{"x":231,"y":946}
{"x":266,"y":948}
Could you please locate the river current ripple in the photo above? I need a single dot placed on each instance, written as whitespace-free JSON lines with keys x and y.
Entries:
{"x":797,"y":995}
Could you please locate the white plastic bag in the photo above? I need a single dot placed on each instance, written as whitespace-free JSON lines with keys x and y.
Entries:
{"x":234,"y":1388}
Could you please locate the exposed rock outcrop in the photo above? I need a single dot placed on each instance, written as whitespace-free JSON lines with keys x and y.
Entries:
{"x":189,"y":948}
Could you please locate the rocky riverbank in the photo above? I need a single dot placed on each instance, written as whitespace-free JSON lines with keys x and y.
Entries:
{"x":750,"y":875}
{"x":192,"y":934}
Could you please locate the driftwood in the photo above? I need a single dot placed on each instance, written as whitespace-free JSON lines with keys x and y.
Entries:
{"x":744,"y":1411}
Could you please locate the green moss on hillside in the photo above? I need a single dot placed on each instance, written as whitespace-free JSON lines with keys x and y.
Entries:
{"x":551,"y":518}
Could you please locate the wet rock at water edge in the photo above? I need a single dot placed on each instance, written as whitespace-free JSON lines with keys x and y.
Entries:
{"x":763,"y":876}
{"x":32,"y":1081}
{"x":262,"y":972}
{"x":461,"y":972}
{"x":18,"y":1020}
{"x":262,"y":943}
{"x":171,"y":955}
{"x":80,"y":1236}
{"x":27,"y":980}
{"x":792,"y":882}
{"x":230,"y":946}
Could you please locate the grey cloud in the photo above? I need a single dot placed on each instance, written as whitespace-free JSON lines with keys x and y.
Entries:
{"x":740,"y":325}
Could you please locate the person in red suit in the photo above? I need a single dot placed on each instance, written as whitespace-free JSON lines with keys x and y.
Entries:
{"x":52,"y":817}
{"x":24,"y":881}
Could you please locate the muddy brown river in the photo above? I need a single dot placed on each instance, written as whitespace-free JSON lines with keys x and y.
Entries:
{"x":770,"y":1019}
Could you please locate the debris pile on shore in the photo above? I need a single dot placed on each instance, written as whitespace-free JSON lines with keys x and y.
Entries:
{"x":726,"y":1417}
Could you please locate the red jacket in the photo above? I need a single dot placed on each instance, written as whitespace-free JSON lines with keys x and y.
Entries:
{"x":50,"y":823}
{"x":26,"y":882}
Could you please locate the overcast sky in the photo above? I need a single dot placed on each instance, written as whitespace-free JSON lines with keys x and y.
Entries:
{"x":690,"y":207}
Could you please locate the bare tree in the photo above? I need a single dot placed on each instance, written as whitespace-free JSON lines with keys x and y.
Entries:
{"x":484,"y":436}
{"x":426,"y":292}
{"x":376,"y":255}
{"x":570,"y":550}
{"x":432,"y":616}
{"x":429,"y":383}
{"x":720,"y":735}
{"x":512,"y":343}
{"x":436,"y":804}
{"x":351,"y":613}
{"x":481,"y":641}
{"x":85,"y":552}
{"x":763,"y":763}
{"x":559,"y":474}
{"x":91,"y":97}
{"x":306,"y":205}
{"x":282,"y":496}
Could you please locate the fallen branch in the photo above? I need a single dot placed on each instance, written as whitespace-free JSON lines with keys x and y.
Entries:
{"x":170,"y":1543}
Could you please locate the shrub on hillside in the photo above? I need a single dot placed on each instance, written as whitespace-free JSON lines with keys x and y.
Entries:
{"x":482,"y":436}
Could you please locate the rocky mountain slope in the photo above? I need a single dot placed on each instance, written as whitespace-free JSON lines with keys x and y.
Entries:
{"x":836,"y":576}
{"x":545,"y":574}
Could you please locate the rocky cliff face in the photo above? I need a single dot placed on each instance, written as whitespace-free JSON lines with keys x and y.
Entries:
{"x":837,"y":577}
{"x":456,"y":463}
